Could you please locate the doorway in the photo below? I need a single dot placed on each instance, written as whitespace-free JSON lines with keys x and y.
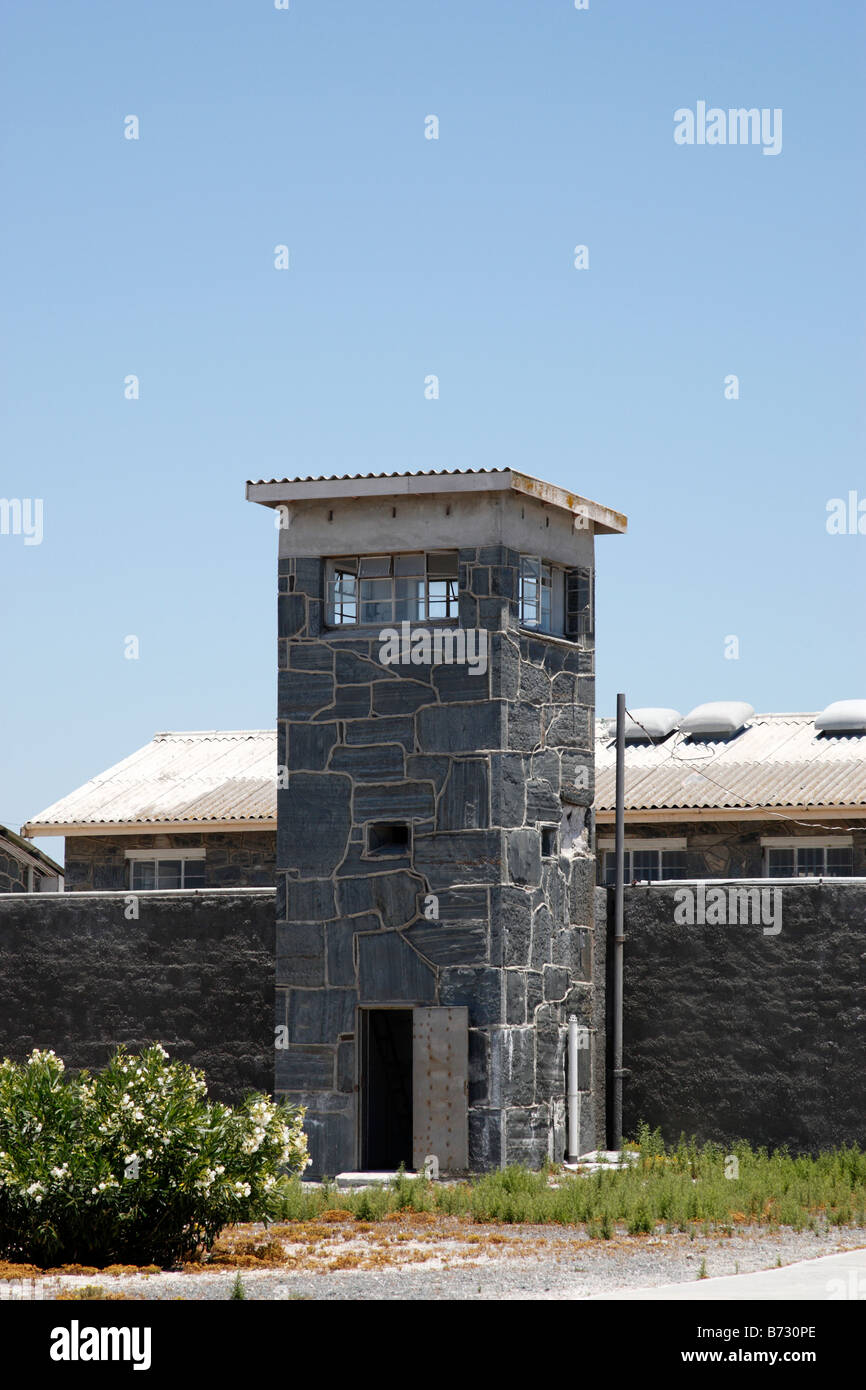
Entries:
{"x":386,"y":1088}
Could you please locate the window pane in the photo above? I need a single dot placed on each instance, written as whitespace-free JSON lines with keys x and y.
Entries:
{"x":342,"y":599}
{"x":409,"y":564}
{"x":546,"y":615}
{"x":143,"y":875}
{"x":410,"y":599}
{"x":674,"y":864}
{"x":442,"y":598}
{"x":645,"y":863}
{"x":780,"y":863}
{"x":840,"y":861}
{"x":168,"y":873}
{"x":444,"y":562}
{"x":193,"y":873}
{"x":374,"y":566}
{"x":809,"y":862}
{"x":610,"y":868}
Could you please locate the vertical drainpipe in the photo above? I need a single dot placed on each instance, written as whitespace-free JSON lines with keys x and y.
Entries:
{"x":573,"y":1093}
{"x":618,"y":938}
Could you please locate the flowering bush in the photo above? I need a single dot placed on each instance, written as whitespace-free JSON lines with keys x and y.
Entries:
{"x":132,"y":1165}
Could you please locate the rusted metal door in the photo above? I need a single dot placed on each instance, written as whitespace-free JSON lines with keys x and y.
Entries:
{"x":440,"y":1087}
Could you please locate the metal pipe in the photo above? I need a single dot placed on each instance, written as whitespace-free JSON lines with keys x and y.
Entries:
{"x":618,"y":938}
{"x":573,"y":1092}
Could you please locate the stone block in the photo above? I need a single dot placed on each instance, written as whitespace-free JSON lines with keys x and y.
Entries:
{"x":447,"y":858}
{"x":390,"y":971}
{"x":313,"y":844}
{"x":379,"y":762}
{"x":394,"y":801}
{"x":393,"y":895}
{"x":524,"y":857}
{"x":300,"y":953}
{"x":511,"y":911}
{"x":464,"y":802}
{"x":512,"y":1066}
{"x":460,"y":728}
{"x":302,"y":694}
{"x":396,"y":697}
{"x":479,"y":988}
{"x":291,"y":614}
{"x":310,"y":900}
{"x":395,"y":729}
{"x":320,"y":1015}
{"x":304,"y":1069}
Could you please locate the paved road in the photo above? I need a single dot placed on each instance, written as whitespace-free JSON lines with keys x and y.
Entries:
{"x":832,"y":1278}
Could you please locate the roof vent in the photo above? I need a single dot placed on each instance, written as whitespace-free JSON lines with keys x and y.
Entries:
{"x":719,"y":717}
{"x":843,"y":716}
{"x":650,"y":723}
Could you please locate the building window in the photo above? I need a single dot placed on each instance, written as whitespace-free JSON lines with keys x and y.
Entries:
{"x":383,"y":589}
{"x":536,"y":593}
{"x":646,"y":865}
{"x":555,"y":600}
{"x":810,"y":861}
{"x":163,"y":869}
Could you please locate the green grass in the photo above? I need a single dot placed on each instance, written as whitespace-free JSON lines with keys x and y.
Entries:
{"x":678,"y":1187}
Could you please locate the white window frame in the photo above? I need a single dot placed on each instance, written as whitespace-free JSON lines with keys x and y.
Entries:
{"x":153,"y":856}
{"x":427,"y":578}
{"x":795,"y":842}
{"x":551,"y":579}
{"x":607,"y":845}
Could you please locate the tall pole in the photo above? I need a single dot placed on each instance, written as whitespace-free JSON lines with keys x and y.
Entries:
{"x":618,"y":937}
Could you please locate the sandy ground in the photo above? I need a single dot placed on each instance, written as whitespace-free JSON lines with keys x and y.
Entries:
{"x":422,"y":1256}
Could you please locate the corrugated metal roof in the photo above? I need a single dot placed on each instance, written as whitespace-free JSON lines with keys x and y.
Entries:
{"x":355,"y":477}
{"x":214,"y":775}
{"x":19,"y":848}
{"x":777,"y":760}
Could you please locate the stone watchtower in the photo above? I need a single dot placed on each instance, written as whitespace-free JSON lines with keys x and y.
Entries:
{"x":435,"y":856}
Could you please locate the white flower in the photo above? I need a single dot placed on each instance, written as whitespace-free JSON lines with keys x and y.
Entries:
{"x":34,"y":1188}
{"x":60,"y":1172}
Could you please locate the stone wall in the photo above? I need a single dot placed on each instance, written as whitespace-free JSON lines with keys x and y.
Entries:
{"x":731,"y":1032}
{"x":478,"y":766}
{"x":233,"y":859}
{"x":194,"y":972}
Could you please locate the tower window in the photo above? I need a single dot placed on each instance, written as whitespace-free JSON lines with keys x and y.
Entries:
{"x":383,"y":589}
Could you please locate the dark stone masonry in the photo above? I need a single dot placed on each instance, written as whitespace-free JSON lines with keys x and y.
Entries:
{"x":487,"y":900}
{"x":734,"y":1033}
{"x":233,"y":859}
{"x":194,"y":971}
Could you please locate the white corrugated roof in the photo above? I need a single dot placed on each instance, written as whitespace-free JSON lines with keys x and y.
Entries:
{"x":776,"y":761}
{"x":209,"y":777}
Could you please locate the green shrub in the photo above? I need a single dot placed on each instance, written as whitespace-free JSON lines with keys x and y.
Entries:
{"x":132,"y":1165}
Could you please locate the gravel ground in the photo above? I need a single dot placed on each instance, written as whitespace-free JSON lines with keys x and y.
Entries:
{"x":528,"y":1262}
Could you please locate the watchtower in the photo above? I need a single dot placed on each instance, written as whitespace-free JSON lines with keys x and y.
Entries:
{"x":435,"y":854}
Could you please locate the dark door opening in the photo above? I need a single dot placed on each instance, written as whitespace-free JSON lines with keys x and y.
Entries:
{"x":386,"y":1088}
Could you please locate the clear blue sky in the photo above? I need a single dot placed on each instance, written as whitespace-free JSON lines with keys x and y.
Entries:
{"x":412,"y":256}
